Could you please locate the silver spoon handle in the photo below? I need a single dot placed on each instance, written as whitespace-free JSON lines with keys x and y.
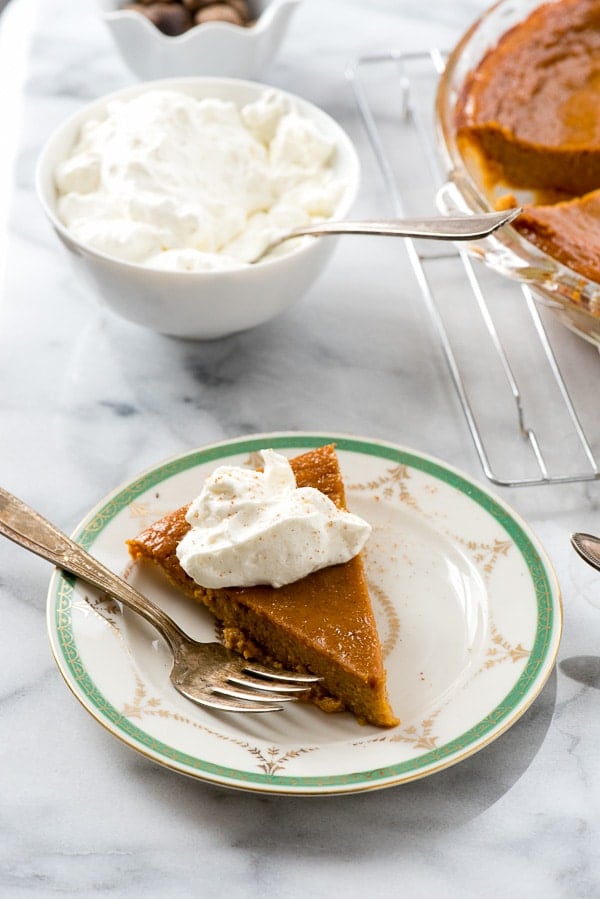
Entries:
{"x":459,"y":227}
{"x":24,"y":526}
{"x":588,"y":548}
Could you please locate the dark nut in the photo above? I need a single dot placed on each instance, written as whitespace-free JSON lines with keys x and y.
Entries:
{"x":240,"y":5}
{"x":195,"y":5}
{"x":170,"y":18}
{"x":218,"y":12}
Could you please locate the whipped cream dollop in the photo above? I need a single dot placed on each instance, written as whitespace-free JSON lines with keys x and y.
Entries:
{"x":257,"y":527}
{"x":183,"y":184}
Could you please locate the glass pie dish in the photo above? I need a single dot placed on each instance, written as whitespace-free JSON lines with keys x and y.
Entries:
{"x":573,"y":297}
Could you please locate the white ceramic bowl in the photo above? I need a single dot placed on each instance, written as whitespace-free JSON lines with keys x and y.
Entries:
{"x":200,"y":305}
{"x":215,"y":48}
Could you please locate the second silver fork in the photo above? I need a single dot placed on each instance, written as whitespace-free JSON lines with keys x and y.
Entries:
{"x":206,"y":673}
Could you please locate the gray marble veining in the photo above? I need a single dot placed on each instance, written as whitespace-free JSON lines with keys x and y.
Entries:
{"x":88,"y":401}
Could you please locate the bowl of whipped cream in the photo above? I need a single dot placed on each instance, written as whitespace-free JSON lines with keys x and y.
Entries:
{"x":233,"y":38}
{"x":164,"y":193}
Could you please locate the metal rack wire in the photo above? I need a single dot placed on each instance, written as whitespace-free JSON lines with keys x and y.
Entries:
{"x":394,"y":93}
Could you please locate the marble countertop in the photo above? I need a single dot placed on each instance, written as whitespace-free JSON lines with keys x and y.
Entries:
{"x":88,"y":401}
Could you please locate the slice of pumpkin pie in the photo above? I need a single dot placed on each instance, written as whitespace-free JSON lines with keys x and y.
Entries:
{"x":322,"y":622}
{"x":568,"y":231}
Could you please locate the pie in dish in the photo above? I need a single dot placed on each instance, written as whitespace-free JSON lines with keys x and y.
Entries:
{"x":530,"y":108}
{"x":323,"y":623}
{"x":569,"y":231}
{"x":528,"y":118}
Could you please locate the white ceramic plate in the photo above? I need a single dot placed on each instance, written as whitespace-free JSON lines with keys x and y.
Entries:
{"x":467,"y":604}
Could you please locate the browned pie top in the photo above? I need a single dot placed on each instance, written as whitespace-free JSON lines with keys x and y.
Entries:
{"x":542,"y":80}
{"x":529,"y":117}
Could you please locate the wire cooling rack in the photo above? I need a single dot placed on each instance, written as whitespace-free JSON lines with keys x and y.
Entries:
{"x":517,"y":370}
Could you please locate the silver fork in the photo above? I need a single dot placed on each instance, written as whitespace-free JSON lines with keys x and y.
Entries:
{"x":440,"y":227}
{"x":207,"y":673}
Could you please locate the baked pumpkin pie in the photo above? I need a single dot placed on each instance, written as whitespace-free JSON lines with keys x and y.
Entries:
{"x":528,"y":118}
{"x":529,"y":112}
{"x":323,"y":623}
{"x":567,"y":231}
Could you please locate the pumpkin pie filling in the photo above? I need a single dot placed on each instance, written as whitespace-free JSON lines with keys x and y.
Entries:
{"x":528,"y":117}
{"x":568,"y":231}
{"x":323,"y":623}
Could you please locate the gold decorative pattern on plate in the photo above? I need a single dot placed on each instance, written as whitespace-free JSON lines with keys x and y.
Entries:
{"x":485,"y":554}
{"x":500,"y":650}
{"x":392,"y":620}
{"x":393,"y":484}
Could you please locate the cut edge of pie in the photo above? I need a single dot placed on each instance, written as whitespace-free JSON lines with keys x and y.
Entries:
{"x":567,"y":231}
{"x":323,"y":623}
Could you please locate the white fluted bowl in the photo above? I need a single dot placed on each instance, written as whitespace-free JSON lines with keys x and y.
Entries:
{"x":214,"y":48}
{"x":200,"y":305}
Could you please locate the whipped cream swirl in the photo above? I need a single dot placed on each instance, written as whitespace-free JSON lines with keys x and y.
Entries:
{"x":257,"y":527}
{"x":172,"y":182}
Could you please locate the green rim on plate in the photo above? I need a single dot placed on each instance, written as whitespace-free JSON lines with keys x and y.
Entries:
{"x":535,"y":672}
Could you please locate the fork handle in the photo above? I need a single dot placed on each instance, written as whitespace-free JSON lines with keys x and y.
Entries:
{"x":24,"y":526}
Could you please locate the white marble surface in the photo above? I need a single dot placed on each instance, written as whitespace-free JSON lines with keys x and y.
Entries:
{"x":87,"y":401}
